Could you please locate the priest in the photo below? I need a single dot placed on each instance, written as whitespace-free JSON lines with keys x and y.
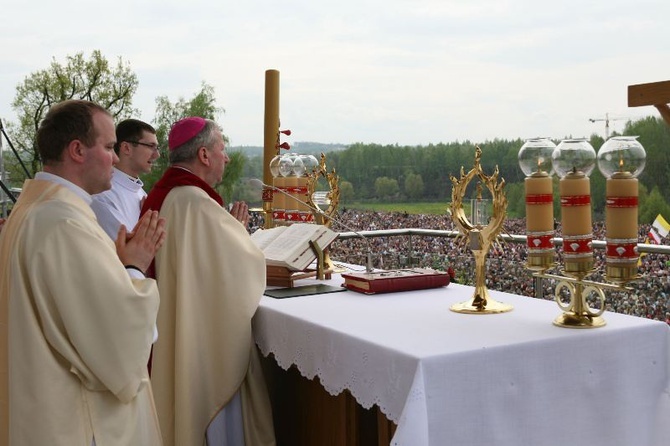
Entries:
{"x":76,"y":311}
{"x":205,"y":370}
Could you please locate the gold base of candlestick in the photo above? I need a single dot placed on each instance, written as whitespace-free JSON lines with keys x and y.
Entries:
{"x":577,"y":313}
{"x":621,"y":274}
{"x":573,"y":320}
{"x":541,"y":262}
{"x":578,"y":267}
{"x":481,"y":305}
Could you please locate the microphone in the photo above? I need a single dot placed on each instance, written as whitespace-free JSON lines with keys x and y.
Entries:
{"x":368,"y":267}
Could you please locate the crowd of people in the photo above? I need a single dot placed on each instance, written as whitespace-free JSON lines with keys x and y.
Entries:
{"x":649,"y":297}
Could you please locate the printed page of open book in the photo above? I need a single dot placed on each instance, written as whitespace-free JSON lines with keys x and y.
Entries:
{"x":289,"y":245}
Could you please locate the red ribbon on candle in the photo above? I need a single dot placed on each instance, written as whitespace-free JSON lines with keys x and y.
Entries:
{"x":539,"y":199}
{"x":621,"y":202}
{"x":541,"y":242}
{"x":292,"y":216}
{"x":622,"y":250}
{"x":297,"y":190}
{"x":575,"y":200}
{"x":306,"y":217}
{"x":581,"y":245}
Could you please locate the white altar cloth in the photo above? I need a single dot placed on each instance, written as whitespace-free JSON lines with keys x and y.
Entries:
{"x":454,"y":379}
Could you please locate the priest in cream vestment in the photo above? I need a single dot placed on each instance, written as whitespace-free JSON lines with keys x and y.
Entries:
{"x":206,"y":374}
{"x":75,"y":328}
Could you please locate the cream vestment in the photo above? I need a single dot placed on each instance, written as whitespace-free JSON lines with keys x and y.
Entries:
{"x":75,"y":329}
{"x":211,"y":277}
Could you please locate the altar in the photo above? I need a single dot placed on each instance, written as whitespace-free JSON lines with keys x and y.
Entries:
{"x":445,"y":378}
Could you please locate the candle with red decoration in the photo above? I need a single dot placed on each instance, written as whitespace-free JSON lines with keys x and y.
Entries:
{"x":621,"y":159}
{"x":574,"y":160}
{"x":535,"y":161}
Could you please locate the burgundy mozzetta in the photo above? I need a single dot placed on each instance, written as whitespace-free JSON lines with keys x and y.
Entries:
{"x":174,"y":177}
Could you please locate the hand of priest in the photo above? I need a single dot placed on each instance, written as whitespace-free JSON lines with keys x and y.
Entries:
{"x":139,"y":247}
{"x":240,"y":210}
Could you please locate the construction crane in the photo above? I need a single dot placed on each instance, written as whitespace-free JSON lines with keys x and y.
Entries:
{"x":607,"y":120}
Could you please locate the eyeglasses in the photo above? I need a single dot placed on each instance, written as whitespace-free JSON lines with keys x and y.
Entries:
{"x":151,"y":146}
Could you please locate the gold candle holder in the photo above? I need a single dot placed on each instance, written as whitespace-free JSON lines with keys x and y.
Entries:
{"x":535,"y":162}
{"x":620,"y":160}
{"x":479,"y":237}
{"x":574,"y":160}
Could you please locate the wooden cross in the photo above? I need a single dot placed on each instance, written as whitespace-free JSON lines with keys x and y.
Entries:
{"x":655,"y":93}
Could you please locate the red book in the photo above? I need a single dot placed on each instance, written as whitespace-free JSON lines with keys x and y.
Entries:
{"x":395,"y":280}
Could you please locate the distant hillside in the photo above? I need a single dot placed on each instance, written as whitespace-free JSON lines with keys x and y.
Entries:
{"x":314,"y":148}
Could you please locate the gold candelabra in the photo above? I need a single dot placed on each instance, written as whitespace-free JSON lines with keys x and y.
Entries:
{"x":620,"y":160}
{"x":477,"y":236}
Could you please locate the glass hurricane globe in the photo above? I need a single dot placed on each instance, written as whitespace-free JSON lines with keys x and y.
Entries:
{"x":286,"y":165}
{"x":298,"y":166}
{"x":535,"y":156}
{"x":574,"y":155}
{"x":621,"y":154}
{"x":274,"y":166}
{"x":310,"y":162}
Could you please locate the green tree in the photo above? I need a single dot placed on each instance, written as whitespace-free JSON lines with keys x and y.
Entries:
{"x":653,"y":205}
{"x":202,"y":104}
{"x":414,"y":185}
{"x":386,"y":187}
{"x":93,"y":79}
{"x":516,"y":200}
{"x":346,"y":191}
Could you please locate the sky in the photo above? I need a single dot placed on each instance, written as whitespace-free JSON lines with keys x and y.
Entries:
{"x":407,"y":72}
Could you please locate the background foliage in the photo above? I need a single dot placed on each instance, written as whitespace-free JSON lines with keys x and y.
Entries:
{"x":370,"y":174}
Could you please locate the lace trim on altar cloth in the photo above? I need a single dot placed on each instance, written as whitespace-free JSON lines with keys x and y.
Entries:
{"x":387,"y":389}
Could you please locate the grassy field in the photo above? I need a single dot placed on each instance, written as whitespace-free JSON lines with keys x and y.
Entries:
{"x":438,"y":208}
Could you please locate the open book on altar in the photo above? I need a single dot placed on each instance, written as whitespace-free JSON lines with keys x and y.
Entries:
{"x":288,"y":246}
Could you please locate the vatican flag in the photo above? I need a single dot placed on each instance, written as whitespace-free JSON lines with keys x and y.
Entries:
{"x":661,"y":226}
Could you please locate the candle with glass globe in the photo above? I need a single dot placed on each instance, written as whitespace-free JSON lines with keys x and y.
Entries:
{"x":535,"y":161}
{"x":284,"y":168}
{"x":621,"y":159}
{"x":309,"y":163}
{"x":574,"y":160}
{"x":291,"y":181}
{"x":301,"y":211}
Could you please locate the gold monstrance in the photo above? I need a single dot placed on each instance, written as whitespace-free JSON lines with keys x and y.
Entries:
{"x":479,"y":238}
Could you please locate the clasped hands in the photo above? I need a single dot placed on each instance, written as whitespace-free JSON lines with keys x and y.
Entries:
{"x":139,"y":247}
{"x":240,"y":211}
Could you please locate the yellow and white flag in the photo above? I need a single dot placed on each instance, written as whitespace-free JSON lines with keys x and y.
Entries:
{"x":661,"y":225}
{"x":659,"y":229}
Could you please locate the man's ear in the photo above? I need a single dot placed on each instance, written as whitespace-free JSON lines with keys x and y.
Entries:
{"x":124,"y":147}
{"x":76,"y":151}
{"x":203,"y":156}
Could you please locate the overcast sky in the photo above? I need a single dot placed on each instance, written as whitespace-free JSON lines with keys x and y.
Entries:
{"x":374,"y":71}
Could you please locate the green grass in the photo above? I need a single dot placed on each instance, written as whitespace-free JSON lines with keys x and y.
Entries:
{"x":435,"y":208}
